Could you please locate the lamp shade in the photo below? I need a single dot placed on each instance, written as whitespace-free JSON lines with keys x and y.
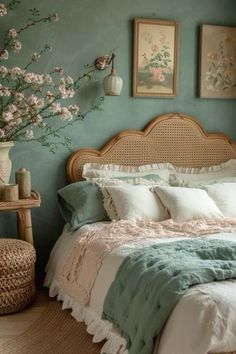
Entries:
{"x":112,"y":84}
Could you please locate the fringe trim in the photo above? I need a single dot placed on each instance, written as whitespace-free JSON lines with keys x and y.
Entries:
{"x":98,"y":328}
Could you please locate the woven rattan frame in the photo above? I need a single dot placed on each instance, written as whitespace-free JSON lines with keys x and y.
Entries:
{"x":172,"y":137}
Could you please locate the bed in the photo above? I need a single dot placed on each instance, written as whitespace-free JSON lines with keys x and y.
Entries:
{"x":204,"y":319}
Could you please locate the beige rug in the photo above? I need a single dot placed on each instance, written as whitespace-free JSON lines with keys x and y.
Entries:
{"x":55,"y":332}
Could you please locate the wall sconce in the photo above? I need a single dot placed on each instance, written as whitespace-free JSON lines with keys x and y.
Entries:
{"x":112,"y":84}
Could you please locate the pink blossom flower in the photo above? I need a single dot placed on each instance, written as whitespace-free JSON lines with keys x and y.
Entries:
{"x":4,"y":91}
{"x":40,"y":103}
{"x":38,"y":120}
{"x":62,"y":92}
{"x":154,"y":47}
{"x":32,"y":99}
{"x":47,"y":79}
{"x":211,"y":55}
{"x":58,"y":70}
{"x":18,"y":121}
{"x":3,"y":71}
{"x":65,"y":114}
{"x":3,"y":10}
{"x":4,"y":54}
{"x":2,"y":133}
{"x":16,"y":46}
{"x":49,"y":96}
{"x":12,"y":123}
{"x":16,"y":72}
{"x":35,"y":56}
{"x":62,"y":81}
{"x":70,"y":93}
{"x":29,"y":134}
{"x":19,"y":96}
{"x":32,"y":78}
{"x":55,"y":107}
{"x":38,"y":79}
{"x":7,"y":116}
{"x":12,"y":108}
{"x":12,"y":33}
{"x":69,"y":80}
{"x":73,"y":108}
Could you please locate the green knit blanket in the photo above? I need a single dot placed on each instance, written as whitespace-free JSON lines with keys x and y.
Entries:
{"x":151,"y":280}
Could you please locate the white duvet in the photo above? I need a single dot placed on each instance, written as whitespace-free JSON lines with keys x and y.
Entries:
{"x":203,"y":321}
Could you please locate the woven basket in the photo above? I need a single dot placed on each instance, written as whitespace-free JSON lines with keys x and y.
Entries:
{"x":17,"y":286}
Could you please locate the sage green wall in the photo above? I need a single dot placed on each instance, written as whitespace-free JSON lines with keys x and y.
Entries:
{"x":87,"y":29}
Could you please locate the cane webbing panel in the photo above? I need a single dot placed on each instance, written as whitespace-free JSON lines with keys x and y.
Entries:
{"x":173,"y":137}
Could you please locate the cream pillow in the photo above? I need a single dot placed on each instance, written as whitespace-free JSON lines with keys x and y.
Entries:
{"x":147,"y":180}
{"x":177,"y":181}
{"x":134,"y":202}
{"x":188,"y":203}
{"x":95,"y":170}
{"x":183,"y":176}
{"x":224,"y":195}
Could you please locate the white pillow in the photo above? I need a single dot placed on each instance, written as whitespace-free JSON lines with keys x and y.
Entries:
{"x":187,"y":203}
{"x":180,"y":182}
{"x":147,"y":180}
{"x":224,"y":195}
{"x":135,"y":202}
{"x":183,"y":176}
{"x":95,"y":170}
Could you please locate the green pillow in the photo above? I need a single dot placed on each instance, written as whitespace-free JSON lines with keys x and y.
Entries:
{"x":81,"y":203}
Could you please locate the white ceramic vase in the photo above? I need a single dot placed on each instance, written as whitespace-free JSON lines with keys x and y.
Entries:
{"x":5,"y":162}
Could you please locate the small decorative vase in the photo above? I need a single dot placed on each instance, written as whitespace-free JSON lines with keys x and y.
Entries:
{"x":5,"y":162}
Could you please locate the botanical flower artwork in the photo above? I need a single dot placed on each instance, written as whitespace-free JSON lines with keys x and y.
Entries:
{"x":218,"y":62}
{"x":155,"y":58}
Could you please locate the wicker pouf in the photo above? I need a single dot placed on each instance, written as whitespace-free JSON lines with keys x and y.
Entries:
{"x":17,"y":285}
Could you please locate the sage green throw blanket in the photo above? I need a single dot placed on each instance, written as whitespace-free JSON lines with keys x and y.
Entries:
{"x":152,"y":280}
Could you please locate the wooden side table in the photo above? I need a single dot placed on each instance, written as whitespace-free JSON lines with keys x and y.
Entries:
{"x":23,"y":209}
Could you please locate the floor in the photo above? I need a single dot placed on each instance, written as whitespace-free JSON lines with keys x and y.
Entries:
{"x":14,"y":324}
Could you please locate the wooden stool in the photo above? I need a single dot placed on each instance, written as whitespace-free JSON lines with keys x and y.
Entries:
{"x":17,"y":285}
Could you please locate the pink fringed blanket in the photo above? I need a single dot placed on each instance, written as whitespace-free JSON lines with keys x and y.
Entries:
{"x":80,"y":269}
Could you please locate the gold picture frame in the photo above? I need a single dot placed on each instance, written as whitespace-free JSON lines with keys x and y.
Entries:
{"x":217,"y":62}
{"x":155,"y":47}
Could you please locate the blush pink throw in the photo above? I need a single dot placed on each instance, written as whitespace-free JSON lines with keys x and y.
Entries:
{"x":79,"y":271}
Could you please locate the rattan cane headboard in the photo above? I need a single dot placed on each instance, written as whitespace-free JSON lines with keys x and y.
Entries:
{"x":171,"y":137}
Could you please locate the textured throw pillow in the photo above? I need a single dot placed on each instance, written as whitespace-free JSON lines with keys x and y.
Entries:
{"x":183,"y":176}
{"x":224,"y":195}
{"x":187,"y":203}
{"x":81,"y":203}
{"x":95,"y":170}
{"x":134,"y":202}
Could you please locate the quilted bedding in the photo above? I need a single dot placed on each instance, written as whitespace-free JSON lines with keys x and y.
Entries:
{"x":203,"y":320}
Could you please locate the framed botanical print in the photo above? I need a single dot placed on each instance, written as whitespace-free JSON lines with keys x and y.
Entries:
{"x":155,"y":58}
{"x":217,"y":74}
